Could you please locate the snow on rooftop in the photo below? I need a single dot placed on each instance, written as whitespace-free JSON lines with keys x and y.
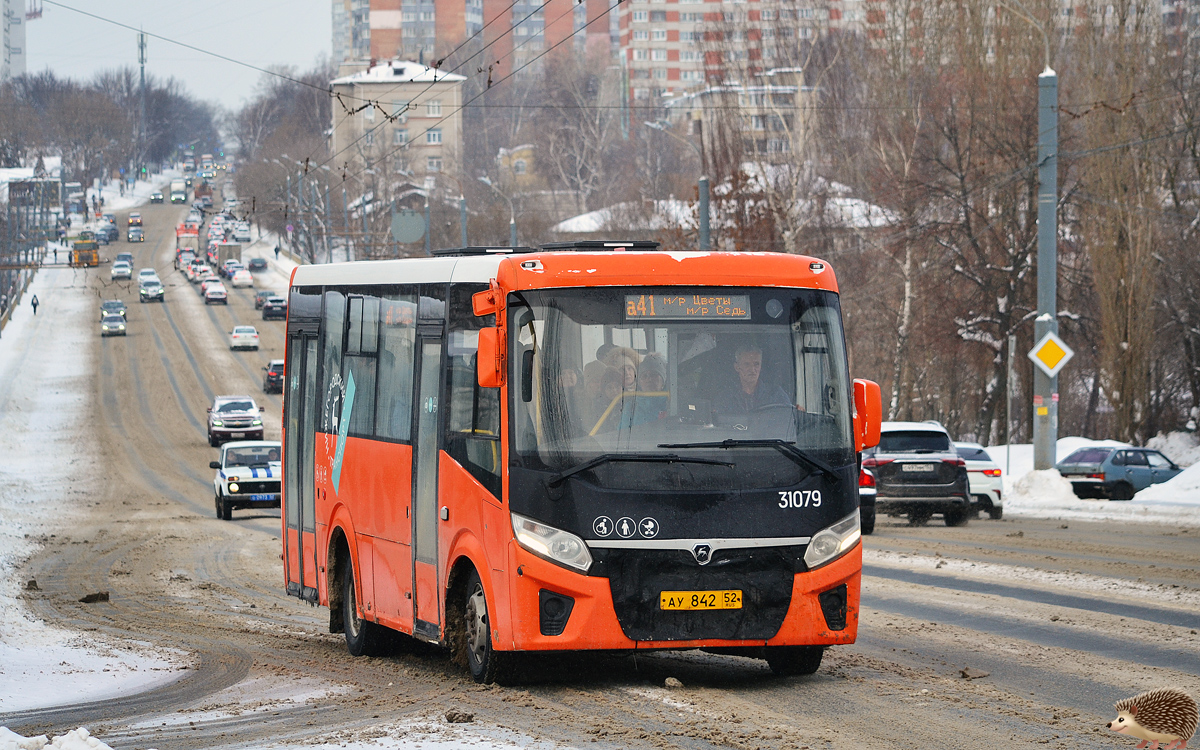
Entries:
{"x":397,"y":71}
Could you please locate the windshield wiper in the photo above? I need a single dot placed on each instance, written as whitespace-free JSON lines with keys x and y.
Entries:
{"x":783,"y":446}
{"x":658,"y":458}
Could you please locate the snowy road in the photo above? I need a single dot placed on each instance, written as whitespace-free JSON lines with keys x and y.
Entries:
{"x":205,"y":650}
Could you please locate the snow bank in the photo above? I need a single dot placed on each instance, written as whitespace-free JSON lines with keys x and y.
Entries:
{"x":76,"y":739}
{"x":1181,"y":447}
{"x":45,"y":382}
{"x":1045,"y":494}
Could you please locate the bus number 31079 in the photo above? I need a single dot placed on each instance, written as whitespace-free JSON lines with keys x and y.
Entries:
{"x":800,"y":499}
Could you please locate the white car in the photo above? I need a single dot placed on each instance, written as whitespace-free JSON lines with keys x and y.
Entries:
{"x":985,"y":477}
{"x":243,"y":337}
{"x":241,"y":277}
{"x":248,"y":476}
{"x":148,"y":274}
{"x":215,"y":294}
{"x":241,"y":232}
{"x":121,"y":270}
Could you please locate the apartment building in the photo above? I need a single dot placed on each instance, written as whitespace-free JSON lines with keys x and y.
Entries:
{"x":411,"y":128}
{"x":672,"y":46}
{"x":453,"y":31}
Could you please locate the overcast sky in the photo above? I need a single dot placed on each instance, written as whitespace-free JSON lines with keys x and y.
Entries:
{"x":262,"y":33}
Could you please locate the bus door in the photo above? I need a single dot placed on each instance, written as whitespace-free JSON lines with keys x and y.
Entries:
{"x":300,"y":514}
{"x":427,"y":622}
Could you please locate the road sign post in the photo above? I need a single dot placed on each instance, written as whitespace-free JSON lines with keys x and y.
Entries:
{"x":1049,"y":355}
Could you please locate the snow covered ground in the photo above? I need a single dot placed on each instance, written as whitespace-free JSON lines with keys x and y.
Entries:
{"x":1045,"y":494}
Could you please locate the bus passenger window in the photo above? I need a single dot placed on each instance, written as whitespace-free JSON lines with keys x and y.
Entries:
{"x":397,"y":342}
{"x":332,"y":385}
{"x":473,"y":426}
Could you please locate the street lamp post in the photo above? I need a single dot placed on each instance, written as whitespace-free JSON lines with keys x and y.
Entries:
{"x":701,"y":184}
{"x":1045,"y":387}
{"x":512,"y":215}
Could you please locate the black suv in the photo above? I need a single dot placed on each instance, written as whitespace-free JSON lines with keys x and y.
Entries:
{"x":273,"y":377}
{"x":918,"y":473}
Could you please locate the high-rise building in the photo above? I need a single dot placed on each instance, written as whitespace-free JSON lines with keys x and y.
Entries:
{"x":445,"y":33}
{"x":341,"y":29}
{"x":14,"y":39}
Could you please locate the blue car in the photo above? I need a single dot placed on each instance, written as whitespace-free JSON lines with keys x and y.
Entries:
{"x":1115,"y":473}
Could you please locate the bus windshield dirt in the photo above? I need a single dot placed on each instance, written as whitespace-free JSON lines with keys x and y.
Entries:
{"x":696,"y":370}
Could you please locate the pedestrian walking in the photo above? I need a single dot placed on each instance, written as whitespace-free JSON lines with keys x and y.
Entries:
{"x":277,"y":252}
{"x":34,"y":302}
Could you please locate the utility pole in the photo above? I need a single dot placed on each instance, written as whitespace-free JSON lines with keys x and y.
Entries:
{"x":141,"y":147}
{"x":462,"y":218}
{"x":1045,"y":387}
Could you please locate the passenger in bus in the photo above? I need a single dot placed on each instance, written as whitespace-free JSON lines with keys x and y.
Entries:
{"x":625,"y":360}
{"x":607,"y":406}
{"x":650,"y":402}
{"x":751,"y":391}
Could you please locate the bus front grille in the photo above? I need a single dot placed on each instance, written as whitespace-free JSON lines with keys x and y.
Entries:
{"x":638,"y":577}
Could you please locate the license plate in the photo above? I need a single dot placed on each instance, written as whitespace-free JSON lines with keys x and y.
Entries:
{"x":690,"y":600}
{"x":917,"y":467}
{"x":237,"y":434}
{"x":263,"y":498}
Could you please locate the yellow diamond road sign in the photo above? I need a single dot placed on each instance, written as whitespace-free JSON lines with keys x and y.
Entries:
{"x":1051,"y":354}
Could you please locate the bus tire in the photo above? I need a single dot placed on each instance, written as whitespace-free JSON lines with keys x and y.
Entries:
{"x":794,"y":660}
{"x":363,"y":637}
{"x":486,"y":664}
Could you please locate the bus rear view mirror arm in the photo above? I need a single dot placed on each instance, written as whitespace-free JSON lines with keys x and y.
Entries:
{"x":868,"y":413}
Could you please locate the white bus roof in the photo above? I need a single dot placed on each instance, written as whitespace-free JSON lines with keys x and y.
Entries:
{"x":407,"y":271}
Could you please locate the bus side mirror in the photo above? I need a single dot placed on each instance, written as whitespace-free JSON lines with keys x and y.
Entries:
{"x":489,"y":362}
{"x":868,"y":413}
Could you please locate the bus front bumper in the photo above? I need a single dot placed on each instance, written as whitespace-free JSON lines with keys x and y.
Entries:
{"x":592,"y":623}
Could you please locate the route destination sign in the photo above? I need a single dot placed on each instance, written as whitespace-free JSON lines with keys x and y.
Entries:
{"x":688,"y":306}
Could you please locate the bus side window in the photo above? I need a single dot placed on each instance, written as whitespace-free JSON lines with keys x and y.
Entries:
{"x":473,"y":425}
{"x":333,"y":388}
{"x":397,"y":344}
{"x":362,"y":340}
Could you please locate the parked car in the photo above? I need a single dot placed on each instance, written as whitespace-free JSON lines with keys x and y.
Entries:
{"x":1115,"y":473}
{"x":985,"y":478}
{"x":249,"y":475}
{"x":241,"y":278}
{"x":156,"y":197}
{"x":243,"y":337}
{"x":918,"y":473}
{"x":112,"y":307}
{"x":261,"y":295}
{"x":135,"y":234}
{"x":151,"y":291}
{"x":234,"y":418}
{"x":256,"y":264}
{"x":274,"y":308}
{"x":866,"y":501}
{"x":120,"y":270}
{"x":273,"y":377}
{"x":112,"y":325}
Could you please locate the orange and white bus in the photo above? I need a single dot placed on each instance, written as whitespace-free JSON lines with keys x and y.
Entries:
{"x":584,"y":446}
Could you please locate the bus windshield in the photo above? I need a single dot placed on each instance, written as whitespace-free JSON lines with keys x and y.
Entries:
{"x":672,"y":372}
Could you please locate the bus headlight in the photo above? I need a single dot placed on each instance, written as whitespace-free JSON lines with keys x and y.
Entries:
{"x":832,"y":542}
{"x":555,"y":545}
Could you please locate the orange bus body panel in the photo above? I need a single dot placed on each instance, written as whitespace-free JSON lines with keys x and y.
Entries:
{"x":664,"y":269}
{"x":478,"y":528}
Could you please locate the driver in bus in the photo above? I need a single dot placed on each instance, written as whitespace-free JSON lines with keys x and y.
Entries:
{"x":751,"y":392}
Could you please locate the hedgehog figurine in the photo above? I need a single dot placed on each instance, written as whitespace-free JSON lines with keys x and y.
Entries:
{"x":1166,"y":715}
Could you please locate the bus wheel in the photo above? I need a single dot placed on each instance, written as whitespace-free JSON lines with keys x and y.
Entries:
{"x":486,"y":664}
{"x":363,"y":638}
{"x":794,"y":660}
